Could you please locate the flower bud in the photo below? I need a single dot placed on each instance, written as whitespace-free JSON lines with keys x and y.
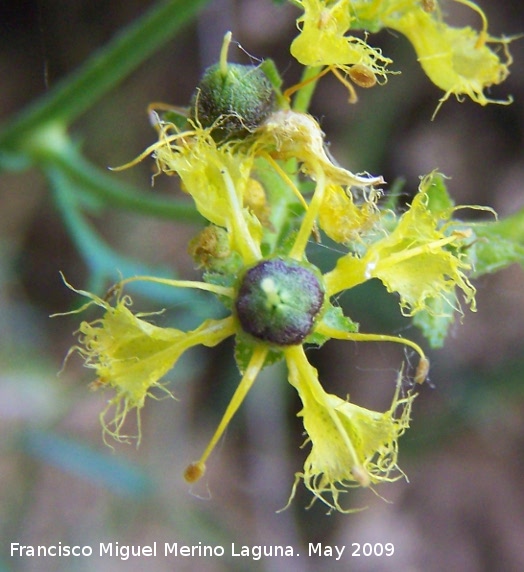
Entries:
{"x":279,"y":300}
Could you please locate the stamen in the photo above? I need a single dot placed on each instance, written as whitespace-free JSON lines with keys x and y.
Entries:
{"x":220,"y":290}
{"x":158,"y":145}
{"x":324,"y":329}
{"x":309,"y":221}
{"x":483,"y":36}
{"x":294,"y":88}
{"x":286,"y":179}
{"x":195,"y":470}
{"x":251,"y":251}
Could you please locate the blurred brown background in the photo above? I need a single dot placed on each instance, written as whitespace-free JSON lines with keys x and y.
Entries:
{"x":464,"y":506}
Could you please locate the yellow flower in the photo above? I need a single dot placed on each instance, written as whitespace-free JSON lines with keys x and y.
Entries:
{"x":350,"y":445}
{"x":460,"y":61}
{"x":278,"y":300}
{"x":254,"y":249}
{"x":131,"y":355}
{"x":419,"y":259}
{"x":323,"y":42}
{"x":219,"y":176}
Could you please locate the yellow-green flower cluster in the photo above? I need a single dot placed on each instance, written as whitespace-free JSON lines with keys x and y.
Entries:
{"x":246,"y":180}
{"x":460,"y":61}
{"x":323,"y":41}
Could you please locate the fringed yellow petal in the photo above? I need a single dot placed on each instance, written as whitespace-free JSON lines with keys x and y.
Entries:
{"x":459,"y":61}
{"x":349,"y":271}
{"x":292,"y":135}
{"x":323,"y":42}
{"x":418,"y":260}
{"x":322,"y":38}
{"x":131,"y":355}
{"x":342,"y":220}
{"x":350,"y":446}
{"x":218,"y":178}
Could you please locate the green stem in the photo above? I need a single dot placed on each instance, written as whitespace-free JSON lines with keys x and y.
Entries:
{"x":104,"y":70}
{"x":303,"y":97}
{"x":119,"y":195}
{"x":99,"y":257}
{"x":105,"y":264}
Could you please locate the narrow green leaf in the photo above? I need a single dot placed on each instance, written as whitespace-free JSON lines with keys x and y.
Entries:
{"x":103,"y":71}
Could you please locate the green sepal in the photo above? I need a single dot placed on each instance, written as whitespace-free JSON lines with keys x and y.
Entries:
{"x":177,"y":118}
{"x":269,"y":67}
{"x":334,"y":317}
{"x":227,"y":267}
{"x":435,"y":322}
{"x":286,"y":211}
{"x":222,"y":279}
{"x":244,"y":347}
{"x":440,"y":202}
{"x":498,"y":245}
{"x":372,"y":25}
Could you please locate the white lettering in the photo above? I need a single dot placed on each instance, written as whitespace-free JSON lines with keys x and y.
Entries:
{"x":53,"y":551}
{"x":106,"y":549}
{"x":256,"y":552}
{"x":124,"y":552}
{"x":149,"y":550}
{"x":200,"y":550}
{"x":319,"y":550}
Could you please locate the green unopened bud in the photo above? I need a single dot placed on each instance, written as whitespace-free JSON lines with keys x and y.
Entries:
{"x":279,"y":300}
{"x":234,"y":98}
{"x":211,"y":250}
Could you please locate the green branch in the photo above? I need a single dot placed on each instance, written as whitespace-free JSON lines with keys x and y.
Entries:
{"x":116,"y":194}
{"x":103,"y":71}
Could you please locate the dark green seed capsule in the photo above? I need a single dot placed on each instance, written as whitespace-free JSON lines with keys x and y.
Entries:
{"x":236,"y":99}
{"x":278,"y":301}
